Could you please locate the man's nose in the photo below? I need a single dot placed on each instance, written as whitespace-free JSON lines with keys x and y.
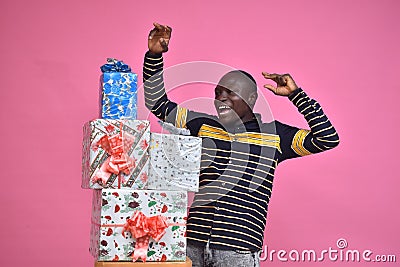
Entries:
{"x":222,"y":96}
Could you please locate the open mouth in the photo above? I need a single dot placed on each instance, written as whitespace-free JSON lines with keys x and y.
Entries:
{"x":223,"y":109}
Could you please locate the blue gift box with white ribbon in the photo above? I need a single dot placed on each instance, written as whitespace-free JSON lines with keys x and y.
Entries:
{"x":118,"y":87}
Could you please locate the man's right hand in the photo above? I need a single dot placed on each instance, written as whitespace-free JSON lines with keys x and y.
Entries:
{"x":159,"y":38}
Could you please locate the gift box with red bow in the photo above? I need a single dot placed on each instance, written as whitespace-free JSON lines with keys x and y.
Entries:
{"x":132,"y":225}
{"x":115,"y":154}
{"x":174,"y":162}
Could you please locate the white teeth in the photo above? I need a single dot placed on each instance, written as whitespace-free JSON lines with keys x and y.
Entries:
{"x":223,"y":107}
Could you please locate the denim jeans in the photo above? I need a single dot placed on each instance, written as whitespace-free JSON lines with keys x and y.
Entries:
{"x":203,"y":256}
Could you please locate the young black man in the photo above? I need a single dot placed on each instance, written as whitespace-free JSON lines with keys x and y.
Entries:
{"x":240,"y":154}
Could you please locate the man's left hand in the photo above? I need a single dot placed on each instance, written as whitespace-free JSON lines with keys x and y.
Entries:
{"x":285,"y":84}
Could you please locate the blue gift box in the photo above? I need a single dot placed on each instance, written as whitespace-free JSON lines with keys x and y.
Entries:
{"x":118,"y":91}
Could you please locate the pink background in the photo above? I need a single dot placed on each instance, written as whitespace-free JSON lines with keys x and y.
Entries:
{"x":343,"y":53}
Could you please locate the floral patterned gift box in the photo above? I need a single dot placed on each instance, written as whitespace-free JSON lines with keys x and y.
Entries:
{"x":115,"y":154}
{"x":118,"y":87}
{"x":174,"y":162}
{"x":128,"y":225}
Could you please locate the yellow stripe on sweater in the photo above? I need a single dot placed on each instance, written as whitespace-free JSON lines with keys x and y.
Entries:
{"x":261,"y":139}
{"x":181,"y":116}
{"x":298,"y":143}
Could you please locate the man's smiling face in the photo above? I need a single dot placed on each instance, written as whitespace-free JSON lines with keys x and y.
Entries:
{"x":235,"y":96}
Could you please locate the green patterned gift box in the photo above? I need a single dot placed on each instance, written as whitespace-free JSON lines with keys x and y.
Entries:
{"x":115,"y":154}
{"x":128,"y":225}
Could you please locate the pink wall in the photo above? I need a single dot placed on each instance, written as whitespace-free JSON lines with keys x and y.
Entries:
{"x":343,"y":53}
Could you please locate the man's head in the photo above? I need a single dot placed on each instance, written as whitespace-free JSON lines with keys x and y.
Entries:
{"x":235,"y":96}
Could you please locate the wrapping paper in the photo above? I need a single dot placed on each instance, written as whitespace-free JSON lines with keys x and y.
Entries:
{"x":187,"y":263}
{"x":118,"y":95}
{"x":127,"y":165}
{"x":113,"y":207}
{"x":174,"y":162}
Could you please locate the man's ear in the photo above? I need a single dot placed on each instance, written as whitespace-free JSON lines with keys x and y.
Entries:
{"x":252,"y":99}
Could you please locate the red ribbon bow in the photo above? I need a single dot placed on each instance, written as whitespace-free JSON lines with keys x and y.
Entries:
{"x":142,"y":228}
{"x":116,"y":145}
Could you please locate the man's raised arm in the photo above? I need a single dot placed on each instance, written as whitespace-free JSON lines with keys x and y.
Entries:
{"x":301,"y":142}
{"x":154,"y":92}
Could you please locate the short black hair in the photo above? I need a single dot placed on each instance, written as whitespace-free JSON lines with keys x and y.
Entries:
{"x":248,"y":75}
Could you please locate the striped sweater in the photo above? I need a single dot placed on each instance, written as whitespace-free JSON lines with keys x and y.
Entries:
{"x":238,"y":164}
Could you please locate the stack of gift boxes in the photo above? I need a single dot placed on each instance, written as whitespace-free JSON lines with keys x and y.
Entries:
{"x":139,"y":179}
